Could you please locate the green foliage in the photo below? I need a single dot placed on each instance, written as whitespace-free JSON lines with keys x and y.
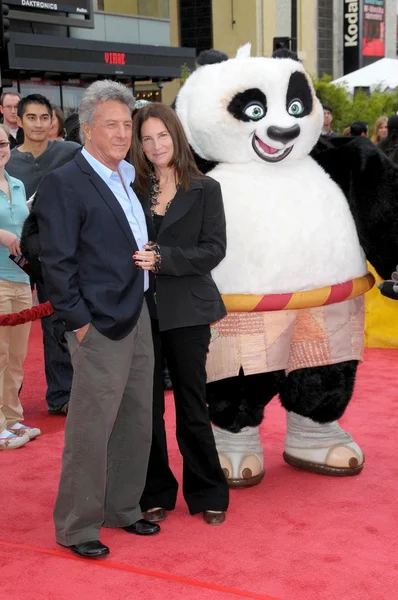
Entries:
{"x":185,"y":73}
{"x":347,"y":109}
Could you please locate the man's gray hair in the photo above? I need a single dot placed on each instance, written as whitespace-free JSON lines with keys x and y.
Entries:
{"x":101,"y":91}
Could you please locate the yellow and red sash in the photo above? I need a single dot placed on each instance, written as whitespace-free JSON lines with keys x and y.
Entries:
{"x":309,"y":299}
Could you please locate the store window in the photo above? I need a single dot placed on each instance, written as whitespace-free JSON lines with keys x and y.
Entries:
{"x":72,"y":91}
{"x":149,"y":95}
{"x":196,"y":24}
{"x":49,"y":89}
{"x":10,"y":87}
{"x":144,"y":8}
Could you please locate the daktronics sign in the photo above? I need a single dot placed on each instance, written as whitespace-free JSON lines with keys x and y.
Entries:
{"x":352,"y":38}
{"x":83,"y":7}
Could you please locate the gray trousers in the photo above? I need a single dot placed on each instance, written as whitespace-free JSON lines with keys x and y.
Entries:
{"x":107,"y":433}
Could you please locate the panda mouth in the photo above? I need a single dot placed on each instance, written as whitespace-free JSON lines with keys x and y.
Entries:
{"x":268,"y":153}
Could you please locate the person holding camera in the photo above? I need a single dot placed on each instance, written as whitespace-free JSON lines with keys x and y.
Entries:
{"x":15,"y":295}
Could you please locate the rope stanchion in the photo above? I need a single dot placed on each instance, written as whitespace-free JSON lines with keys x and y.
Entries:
{"x":27,"y":315}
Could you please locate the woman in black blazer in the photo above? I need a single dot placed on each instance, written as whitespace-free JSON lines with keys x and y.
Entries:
{"x":190,"y":240}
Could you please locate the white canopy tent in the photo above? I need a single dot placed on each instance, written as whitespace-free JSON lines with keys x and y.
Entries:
{"x":382,"y":73}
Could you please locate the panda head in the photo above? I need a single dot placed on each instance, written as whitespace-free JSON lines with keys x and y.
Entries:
{"x":245,"y":109}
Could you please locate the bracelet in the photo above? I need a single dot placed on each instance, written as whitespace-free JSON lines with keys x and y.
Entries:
{"x":158,"y":257}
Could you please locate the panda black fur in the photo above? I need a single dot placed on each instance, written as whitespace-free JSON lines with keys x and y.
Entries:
{"x":366,"y":181}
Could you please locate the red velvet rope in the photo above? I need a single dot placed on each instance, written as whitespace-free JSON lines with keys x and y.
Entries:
{"x":27,"y":315}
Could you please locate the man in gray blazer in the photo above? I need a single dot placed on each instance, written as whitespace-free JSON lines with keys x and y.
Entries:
{"x":90,"y":225}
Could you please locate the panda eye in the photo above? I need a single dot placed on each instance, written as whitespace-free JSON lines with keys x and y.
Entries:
{"x":295,"y":108}
{"x":255,"y":112}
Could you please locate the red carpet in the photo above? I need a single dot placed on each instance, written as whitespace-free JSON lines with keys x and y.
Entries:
{"x":296,"y":536}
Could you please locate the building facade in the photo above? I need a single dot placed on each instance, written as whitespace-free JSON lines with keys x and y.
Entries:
{"x":316,"y":29}
{"x":61,"y":47}
{"x":58,"y":48}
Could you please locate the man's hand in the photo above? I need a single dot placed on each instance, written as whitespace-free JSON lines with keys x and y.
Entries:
{"x":11,"y":241}
{"x":80,"y":333}
{"x":389,"y":288}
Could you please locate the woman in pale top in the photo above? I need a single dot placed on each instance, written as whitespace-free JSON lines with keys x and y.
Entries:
{"x":15,"y":295}
{"x":190,"y":234}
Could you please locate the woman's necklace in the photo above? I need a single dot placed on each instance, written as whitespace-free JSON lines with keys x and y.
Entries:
{"x":154,"y":191}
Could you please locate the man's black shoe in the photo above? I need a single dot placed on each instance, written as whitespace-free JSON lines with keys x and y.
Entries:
{"x":62,"y":410}
{"x":142,"y":527}
{"x":94,"y":549}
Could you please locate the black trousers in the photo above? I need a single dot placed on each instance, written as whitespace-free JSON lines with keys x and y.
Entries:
{"x":204,"y":484}
{"x":57,"y":362}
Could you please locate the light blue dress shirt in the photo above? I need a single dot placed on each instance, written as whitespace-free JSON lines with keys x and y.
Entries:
{"x":129,"y":202}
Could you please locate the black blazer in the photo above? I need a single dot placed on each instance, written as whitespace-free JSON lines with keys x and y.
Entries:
{"x":14,"y":142}
{"x":86,"y":252}
{"x":192,"y":241}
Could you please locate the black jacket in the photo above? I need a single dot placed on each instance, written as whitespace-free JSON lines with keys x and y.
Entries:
{"x":369,"y":180}
{"x":14,"y":142}
{"x":192,"y":241}
{"x":30,"y":243}
{"x":86,"y":252}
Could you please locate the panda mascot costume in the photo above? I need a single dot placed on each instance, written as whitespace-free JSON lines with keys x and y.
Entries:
{"x":303,"y":217}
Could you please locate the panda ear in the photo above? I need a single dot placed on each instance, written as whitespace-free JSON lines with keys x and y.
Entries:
{"x":244,"y":51}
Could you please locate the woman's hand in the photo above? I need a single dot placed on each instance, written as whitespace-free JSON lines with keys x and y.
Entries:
{"x":11,"y":241}
{"x":145,"y":259}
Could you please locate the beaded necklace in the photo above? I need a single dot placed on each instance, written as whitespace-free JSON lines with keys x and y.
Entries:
{"x":154,"y":191}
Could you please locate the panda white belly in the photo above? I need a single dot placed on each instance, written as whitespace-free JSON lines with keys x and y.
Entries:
{"x":289,"y":228}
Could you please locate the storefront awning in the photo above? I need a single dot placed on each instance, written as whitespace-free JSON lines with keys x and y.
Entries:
{"x":69,"y":55}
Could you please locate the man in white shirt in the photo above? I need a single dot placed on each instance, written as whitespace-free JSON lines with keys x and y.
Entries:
{"x":91,"y":224}
{"x":9,"y":108}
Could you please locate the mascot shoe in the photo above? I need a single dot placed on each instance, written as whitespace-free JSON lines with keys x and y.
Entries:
{"x":241,"y":456}
{"x":322,"y":448}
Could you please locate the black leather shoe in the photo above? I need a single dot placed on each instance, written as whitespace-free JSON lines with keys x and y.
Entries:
{"x":92,"y":549}
{"x":62,"y":410}
{"x":142,"y":527}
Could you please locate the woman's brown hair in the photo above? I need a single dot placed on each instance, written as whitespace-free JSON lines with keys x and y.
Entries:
{"x":61,"y":120}
{"x":182,"y":161}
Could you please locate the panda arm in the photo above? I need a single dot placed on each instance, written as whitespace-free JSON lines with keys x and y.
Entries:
{"x":204,"y":256}
{"x":369,"y":181}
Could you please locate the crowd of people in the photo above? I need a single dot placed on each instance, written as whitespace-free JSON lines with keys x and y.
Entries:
{"x":129,"y":232}
{"x":385,"y":131}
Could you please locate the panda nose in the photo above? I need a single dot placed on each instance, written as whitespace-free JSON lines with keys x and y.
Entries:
{"x":283,"y":134}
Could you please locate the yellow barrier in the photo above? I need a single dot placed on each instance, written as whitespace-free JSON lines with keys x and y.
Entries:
{"x":381,"y":318}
